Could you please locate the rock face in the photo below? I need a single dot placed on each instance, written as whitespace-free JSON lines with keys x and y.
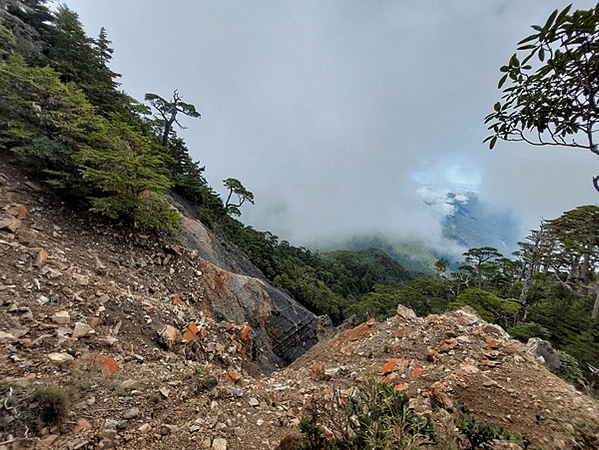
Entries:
{"x":239,"y":293}
{"x":544,"y":352}
{"x":216,"y":250}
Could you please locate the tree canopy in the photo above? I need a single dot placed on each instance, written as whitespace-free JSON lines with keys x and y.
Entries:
{"x":236,"y":188}
{"x":168,"y":111}
{"x":554,"y":100}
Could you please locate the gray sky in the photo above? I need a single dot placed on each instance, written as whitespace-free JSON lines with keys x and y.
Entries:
{"x":345,"y":116}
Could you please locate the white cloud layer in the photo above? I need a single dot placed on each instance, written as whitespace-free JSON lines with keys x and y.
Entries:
{"x":341,"y":115}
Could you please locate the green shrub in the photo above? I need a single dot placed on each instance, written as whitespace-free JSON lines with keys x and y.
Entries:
{"x":154,"y":212}
{"x":314,"y":434}
{"x":569,"y":369}
{"x":381,"y":419}
{"x":475,"y":431}
{"x":377,"y":417}
{"x":524,"y":331}
{"x":479,"y":434}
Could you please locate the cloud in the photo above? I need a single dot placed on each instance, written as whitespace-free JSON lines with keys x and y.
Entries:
{"x":336,"y":114}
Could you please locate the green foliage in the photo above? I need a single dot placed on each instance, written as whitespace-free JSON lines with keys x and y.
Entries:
{"x":381,"y":419}
{"x":475,"y":431}
{"x":102,"y":45}
{"x":569,"y":369}
{"x":479,"y":434}
{"x":154,"y":212}
{"x":199,"y":369}
{"x":236,"y":188}
{"x":187,"y":176}
{"x":559,"y":310}
{"x":357,"y":272}
{"x":374,"y":304}
{"x":441,"y":267}
{"x":7,"y":42}
{"x":566,"y":316}
{"x":427,"y":296}
{"x":490,"y":307}
{"x":480,"y":264}
{"x":314,"y":434}
{"x":554,"y":103}
{"x":524,"y":331}
{"x":43,"y":120}
{"x":125,"y":173}
{"x":57,"y":133}
{"x":339,"y":284}
{"x":62,"y":115}
{"x":409,"y":254}
{"x":376,"y":418}
{"x":80,"y":60}
{"x":167,"y":113}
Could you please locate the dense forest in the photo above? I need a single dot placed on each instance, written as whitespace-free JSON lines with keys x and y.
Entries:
{"x":65,"y":119}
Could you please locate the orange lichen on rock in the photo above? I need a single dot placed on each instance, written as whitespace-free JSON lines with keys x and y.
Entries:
{"x":234,"y":377}
{"x":245,"y":333}
{"x":390,"y":366}
{"x":191,"y":332}
{"x":106,"y":364}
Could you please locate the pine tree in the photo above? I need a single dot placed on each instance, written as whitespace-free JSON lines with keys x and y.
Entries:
{"x":81,"y":60}
{"x":168,"y":111}
{"x":103,"y":47}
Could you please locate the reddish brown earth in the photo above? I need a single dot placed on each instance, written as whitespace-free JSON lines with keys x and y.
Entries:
{"x":90,"y":310}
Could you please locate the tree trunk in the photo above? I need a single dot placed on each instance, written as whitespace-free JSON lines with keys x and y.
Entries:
{"x":526,"y":287}
{"x":596,"y":306}
{"x":532,"y":266}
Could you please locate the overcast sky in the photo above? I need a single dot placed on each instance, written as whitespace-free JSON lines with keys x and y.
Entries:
{"x":345,"y":116}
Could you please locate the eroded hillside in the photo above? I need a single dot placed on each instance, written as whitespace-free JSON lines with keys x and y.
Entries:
{"x":114,"y":339}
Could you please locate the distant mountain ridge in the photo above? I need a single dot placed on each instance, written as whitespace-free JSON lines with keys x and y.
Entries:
{"x":412,"y":255}
{"x":475,"y":223}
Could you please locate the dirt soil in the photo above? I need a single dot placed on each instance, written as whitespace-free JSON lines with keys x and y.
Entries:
{"x":107,"y":341}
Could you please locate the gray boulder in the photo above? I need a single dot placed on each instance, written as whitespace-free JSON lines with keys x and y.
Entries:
{"x":544,"y":352}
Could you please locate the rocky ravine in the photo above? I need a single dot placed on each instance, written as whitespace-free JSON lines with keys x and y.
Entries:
{"x":159,"y":345}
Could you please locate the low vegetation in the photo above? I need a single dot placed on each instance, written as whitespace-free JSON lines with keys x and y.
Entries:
{"x":32,"y":407}
{"x":379,"y":418}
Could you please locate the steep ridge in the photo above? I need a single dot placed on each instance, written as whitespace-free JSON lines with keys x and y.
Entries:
{"x":119,"y":340}
{"x":208,"y":275}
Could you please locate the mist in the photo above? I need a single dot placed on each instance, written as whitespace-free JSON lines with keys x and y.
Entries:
{"x":346,"y":117}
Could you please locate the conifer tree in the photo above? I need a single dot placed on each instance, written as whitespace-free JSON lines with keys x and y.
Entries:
{"x":125,"y":172}
{"x":168,"y":111}
{"x":103,"y":47}
{"x":81,"y":60}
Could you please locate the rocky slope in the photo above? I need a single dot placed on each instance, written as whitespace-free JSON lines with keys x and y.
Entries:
{"x":111,"y":339}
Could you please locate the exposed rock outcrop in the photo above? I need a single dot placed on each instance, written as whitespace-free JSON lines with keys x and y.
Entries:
{"x":238,"y":292}
{"x":544,"y":352}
